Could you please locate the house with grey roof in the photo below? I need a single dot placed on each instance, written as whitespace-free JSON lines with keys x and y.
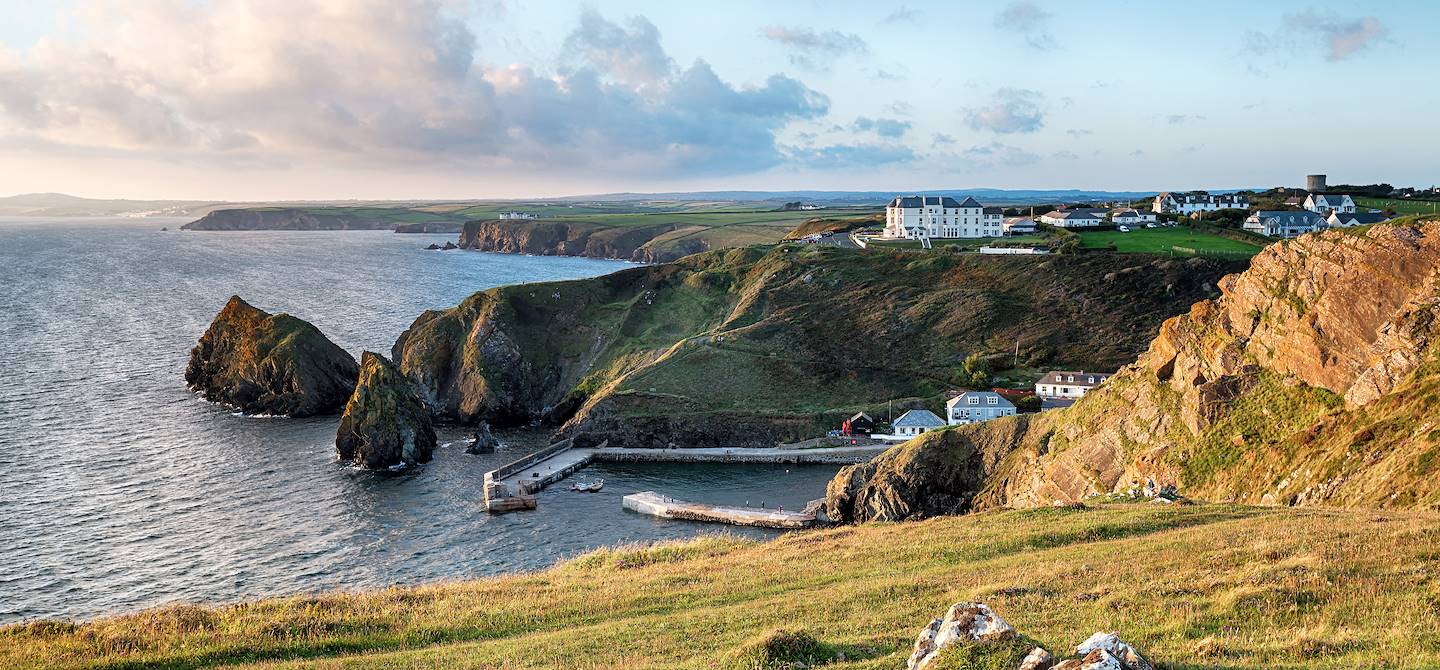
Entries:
{"x":919,"y":217}
{"x":977,"y":406}
{"x":1346,"y":220}
{"x":915,"y":422}
{"x":1074,"y":218}
{"x":1197,"y":201}
{"x":1018,"y":225}
{"x":1129,"y":216}
{"x":1322,"y":203}
{"x":1068,"y":383}
{"x":1284,"y":223}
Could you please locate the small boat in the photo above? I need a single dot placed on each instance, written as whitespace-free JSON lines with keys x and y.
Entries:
{"x":592,"y":487}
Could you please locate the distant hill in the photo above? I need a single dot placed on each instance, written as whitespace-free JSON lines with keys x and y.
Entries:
{"x":59,"y":204}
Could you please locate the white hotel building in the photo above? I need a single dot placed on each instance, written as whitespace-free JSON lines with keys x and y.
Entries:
{"x":932,"y":216}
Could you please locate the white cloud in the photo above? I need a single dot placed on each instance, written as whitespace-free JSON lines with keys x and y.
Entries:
{"x":892,"y":128}
{"x":814,"y":50}
{"x":996,"y":153}
{"x":371,"y":82}
{"x":1341,"y":37}
{"x":1028,"y":19}
{"x":1011,"y":110}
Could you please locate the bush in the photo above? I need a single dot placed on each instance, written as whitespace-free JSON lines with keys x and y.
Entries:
{"x":780,"y":650}
{"x":975,"y":372}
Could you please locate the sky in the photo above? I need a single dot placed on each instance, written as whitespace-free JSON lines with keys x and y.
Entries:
{"x":387,"y":99}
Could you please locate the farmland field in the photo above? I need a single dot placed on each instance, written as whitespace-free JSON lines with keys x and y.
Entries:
{"x":1401,"y":207}
{"x":1165,"y":241}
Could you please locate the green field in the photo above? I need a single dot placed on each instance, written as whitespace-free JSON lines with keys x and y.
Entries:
{"x":1401,"y":207}
{"x":1203,"y":586}
{"x":966,"y":243}
{"x":1165,"y":241}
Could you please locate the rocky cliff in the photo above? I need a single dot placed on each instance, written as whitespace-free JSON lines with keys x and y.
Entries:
{"x":269,"y":364}
{"x":748,"y":347}
{"x":1313,"y":379}
{"x":385,"y":422}
{"x":640,"y":243}
{"x":292,"y":218}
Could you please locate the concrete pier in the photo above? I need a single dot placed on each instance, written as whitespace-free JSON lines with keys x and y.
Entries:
{"x":513,"y":486}
{"x":654,"y":504}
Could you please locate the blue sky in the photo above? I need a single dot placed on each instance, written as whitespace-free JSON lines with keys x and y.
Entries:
{"x":248,"y":99}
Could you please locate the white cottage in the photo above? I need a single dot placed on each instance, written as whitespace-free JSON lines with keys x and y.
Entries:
{"x":1068,"y":383}
{"x":1321,"y":203}
{"x":915,"y":422}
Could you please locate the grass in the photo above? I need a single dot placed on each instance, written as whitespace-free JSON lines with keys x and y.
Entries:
{"x":1401,"y":207}
{"x":968,"y":244}
{"x":1203,"y":586}
{"x":1165,"y":241}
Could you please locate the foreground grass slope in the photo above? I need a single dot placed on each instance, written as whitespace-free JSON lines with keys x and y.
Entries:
{"x":1202,"y":586}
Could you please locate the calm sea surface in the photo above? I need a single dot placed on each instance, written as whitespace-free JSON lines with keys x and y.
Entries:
{"x":120,"y":489}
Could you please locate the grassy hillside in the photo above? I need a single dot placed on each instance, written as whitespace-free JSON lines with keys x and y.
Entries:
{"x":1178,"y":241}
{"x":1401,"y":207}
{"x":754,"y":345}
{"x":1193,"y":587}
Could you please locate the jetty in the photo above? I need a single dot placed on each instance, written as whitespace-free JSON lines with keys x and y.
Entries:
{"x":514,"y":486}
{"x":654,"y":504}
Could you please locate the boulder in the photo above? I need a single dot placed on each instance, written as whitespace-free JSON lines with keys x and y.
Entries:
{"x":385,"y":424}
{"x":1037,"y":659}
{"x":448,"y":246}
{"x":484,"y":442}
{"x":266,"y":363}
{"x":433,"y":247}
{"x":962,"y":624}
{"x":1110,"y":643}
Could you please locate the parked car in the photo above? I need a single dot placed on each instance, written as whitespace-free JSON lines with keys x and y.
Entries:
{"x":1152,"y":225}
{"x":1124,"y":229}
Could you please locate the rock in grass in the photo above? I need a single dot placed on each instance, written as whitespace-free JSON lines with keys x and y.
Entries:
{"x":964,"y":623}
{"x":780,"y":650}
{"x":266,"y":363}
{"x":385,"y":424}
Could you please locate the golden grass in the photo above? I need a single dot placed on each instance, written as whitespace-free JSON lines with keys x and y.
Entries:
{"x":1193,"y":587}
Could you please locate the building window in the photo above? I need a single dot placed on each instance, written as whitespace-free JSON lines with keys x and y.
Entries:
{"x":990,"y":401}
{"x":974,"y":401}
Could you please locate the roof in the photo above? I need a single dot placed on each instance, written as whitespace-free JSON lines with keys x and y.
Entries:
{"x":1019,"y":221}
{"x":1289,"y":217}
{"x":1361,"y":218}
{"x":970,"y":202}
{"x":1128,"y":211}
{"x":1056,"y":403}
{"x":1074,"y":214}
{"x":861,"y":415}
{"x":918,"y":418}
{"x":1059,"y":377}
{"x":961,"y":399}
{"x":993,"y":210}
{"x":918,"y":201}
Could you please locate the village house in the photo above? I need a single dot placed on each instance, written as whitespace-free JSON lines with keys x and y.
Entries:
{"x":1197,"y":201}
{"x":915,"y":422}
{"x":1073,"y":218}
{"x":1284,"y":223}
{"x":977,"y":406}
{"x":860,"y":424}
{"x":516,"y":215}
{"x":931,"y":216}
{"x":1347,"y":219}
{"x":1321,"y":203}
{"x":1068,"y":383}
{"x":1018,"y":225}
{"x":1130,"y":216}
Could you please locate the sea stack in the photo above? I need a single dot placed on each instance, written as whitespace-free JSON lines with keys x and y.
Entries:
{"x":266,"y":363}
{"x":385,"y":424}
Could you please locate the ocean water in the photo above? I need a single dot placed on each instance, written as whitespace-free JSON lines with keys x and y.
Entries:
{"x":120,"y":489}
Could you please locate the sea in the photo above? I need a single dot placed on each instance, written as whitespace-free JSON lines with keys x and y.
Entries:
{"x":120,"y":489}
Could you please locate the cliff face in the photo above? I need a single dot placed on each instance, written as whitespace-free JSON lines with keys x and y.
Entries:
{"x":288,"y":218}
{"x":385,"y":423}
{"x":1311,"y":380}
{"x":749,"y":347}
{"x":269,"y":364}
{"x":639,"y":243}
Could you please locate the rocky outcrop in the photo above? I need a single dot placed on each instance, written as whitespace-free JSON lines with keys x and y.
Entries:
{"x":639,"y":243}
{"x":738,"y":347}
{"x":483,"y":442}
{"x":269,"y":364}
{"x":973,"y":635}
{"x":385,"y":424}
{"x":1311,"y":380}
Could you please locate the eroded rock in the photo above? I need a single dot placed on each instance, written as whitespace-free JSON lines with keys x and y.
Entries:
{"x":977,"y":624}
{"x":266,"y":363}
{"x":385,"y":424}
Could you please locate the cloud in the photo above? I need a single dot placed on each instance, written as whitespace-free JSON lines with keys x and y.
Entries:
{"x":1011,"y":110}
{"x":1138,"y":152}
{"x":1341,"y":37}
{"x":892,"y":128}
{"x":902,"y":15}
{"x":886,"y":75}
{"x":365,"y":83}
{"x":633,"y":55}
{"x":941,"y":139}
{"x":996,"y":153}
{"x":900,"y":108}
{"x":1065,"y":155}
{"x":1181,"y":119}
{"x":814,"y":50}
{"x":1029,"y":19}
{"x":839,"y":156}
{"x":1079,"y":132}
